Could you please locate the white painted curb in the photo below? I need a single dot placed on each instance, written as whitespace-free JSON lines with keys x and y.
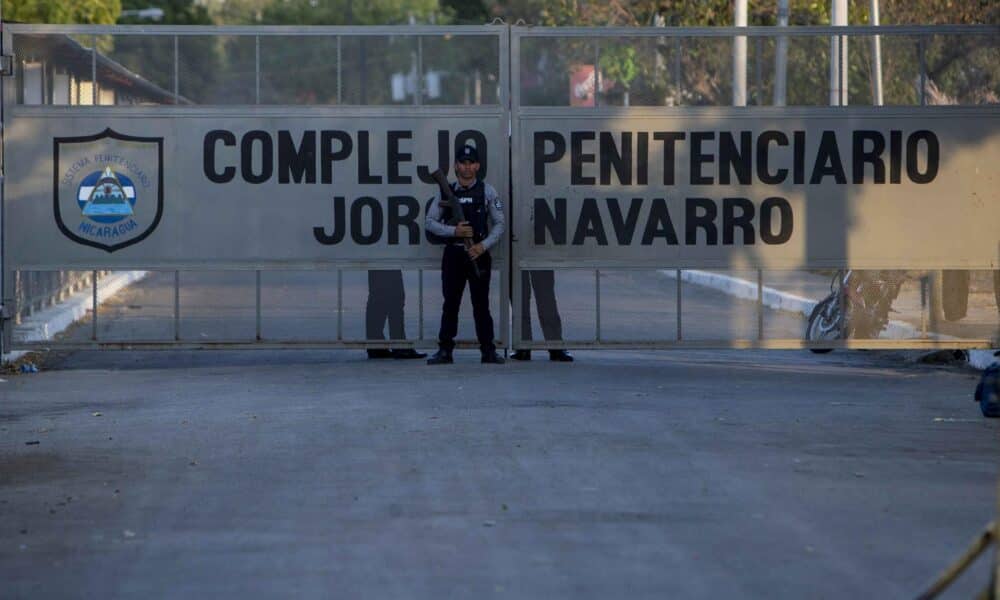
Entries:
{"x":776,"y":299}
{"x":747,"y":290}
{"x":45,"y":324}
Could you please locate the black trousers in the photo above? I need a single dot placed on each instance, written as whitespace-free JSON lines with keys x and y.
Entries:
{"x":385,"y":303}
{"x":456,"y":270}
{"x":543,"y":284}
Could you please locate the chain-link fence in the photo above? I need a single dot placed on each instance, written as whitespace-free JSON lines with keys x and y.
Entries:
{"x":231,"y":66}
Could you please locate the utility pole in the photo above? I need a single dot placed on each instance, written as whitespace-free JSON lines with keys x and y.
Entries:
{"x":838,"y":55}
{"x":876,"y":56}
{"x":781,"y":57}
{"x":740,"y":55}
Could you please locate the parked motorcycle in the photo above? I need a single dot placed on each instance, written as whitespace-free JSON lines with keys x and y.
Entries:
{"x":858,"y":306}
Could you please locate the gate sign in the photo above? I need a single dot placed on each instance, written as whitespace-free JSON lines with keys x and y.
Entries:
{"x":767,"y":188}
{"x":168,"y":188}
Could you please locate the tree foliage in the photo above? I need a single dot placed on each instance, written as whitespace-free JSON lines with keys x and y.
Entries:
{"x":95,"y":12}
{"x":349,"y":12}
{"x":175,"y":12}
{"x":692,"y":71}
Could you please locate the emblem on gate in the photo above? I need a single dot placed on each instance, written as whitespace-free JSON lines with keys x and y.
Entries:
{"x":108,"y":188}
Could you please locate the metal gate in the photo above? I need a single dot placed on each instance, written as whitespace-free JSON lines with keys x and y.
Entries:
{"x":257,"y":176}
{"x":680,"y":187}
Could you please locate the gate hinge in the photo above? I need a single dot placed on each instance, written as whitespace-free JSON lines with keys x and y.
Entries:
{"x":6,"y":65}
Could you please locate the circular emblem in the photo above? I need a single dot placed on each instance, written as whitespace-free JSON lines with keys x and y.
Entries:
{"x":106,"y":196}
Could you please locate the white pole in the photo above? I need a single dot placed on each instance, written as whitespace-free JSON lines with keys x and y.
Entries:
{"x":740,"y":55}
{"x":838,"y":55}
{"x":876,"y":57}
{"x":781,"y":57}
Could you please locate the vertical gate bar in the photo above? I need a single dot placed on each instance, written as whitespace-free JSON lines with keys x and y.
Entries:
{"x":177,"y":305}
{"x":842,"y":58}
{"x":679,"y":283}
{"x":597,"y":294}
{"x":503,"y":60}
{"x":418,"y":93}
{"x":758,"y":71}
{"x":921,"y":55}
{"x":420,"y":303}
{"x":512,"y":108}
{"x":996,"y":550}
{"x":258,"y":305}
{"x":760,"y":304}
{"x":5,"y":323}
{"x":923,"y":307}
{"x":256,"y":68}
{"x":93,"y":307}
{"x":340,"y":304}
{"x":677,"y":70}
{"x":93,"y":70}
{"x":597,"y":72}
{"x":177,"y":82}
{"x":340,"y":72}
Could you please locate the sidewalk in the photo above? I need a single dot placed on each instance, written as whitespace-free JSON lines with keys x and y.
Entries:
{"x":800,"y":291}
{"x":46,"y":324}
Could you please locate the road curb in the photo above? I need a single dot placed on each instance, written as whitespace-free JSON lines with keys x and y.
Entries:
{"x":747,"y":290}
{"x":46,"y":324}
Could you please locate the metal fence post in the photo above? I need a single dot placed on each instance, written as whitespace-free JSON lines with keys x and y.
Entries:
{"x":93,"y":308}
{"x":922,"y":58}
{"x":6,"y":314}
{"x":256,"y":68}
{"x":340,"y":71}
{"x":340,"y":305}
{"x":996,"y":550}
{"x":418,"y":92}
{"x":177,"y":79}
{"x":93,"y":70}
{"x":760,"y":304}
{"x":177,"y":305}
{"x":680,"y":282}
{"x":597,"y":302}
{"x":597,"y":73}
{"x":257,"y":303}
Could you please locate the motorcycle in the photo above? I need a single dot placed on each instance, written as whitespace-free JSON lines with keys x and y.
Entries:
{"x":858,"y":306}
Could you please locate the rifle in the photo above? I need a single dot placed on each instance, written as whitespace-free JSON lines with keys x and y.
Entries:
{"x":457,"y":212}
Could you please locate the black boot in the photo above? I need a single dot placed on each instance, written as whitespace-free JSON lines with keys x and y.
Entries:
{"x":560,"y":356}
{"x":406,"y":353}
{"x":441,"y":357}
{"x":491,"y":357}
{"x":521,"y":355}
{"x":379,"y":353}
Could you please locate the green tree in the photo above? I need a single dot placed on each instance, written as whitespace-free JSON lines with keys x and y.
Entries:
{"x":699,"y":71}
{"x":97,"y":12}
{"x":349,"y":12}
{"x":152,"y":57}
{"x":175,"y":12}
{"x":469,"y":12}
{"x":237,"y":12}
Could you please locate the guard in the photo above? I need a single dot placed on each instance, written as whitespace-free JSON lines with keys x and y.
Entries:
{"x":484,"y":223}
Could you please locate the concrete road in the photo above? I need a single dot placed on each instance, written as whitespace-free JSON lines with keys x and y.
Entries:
{"x":639,"y":475}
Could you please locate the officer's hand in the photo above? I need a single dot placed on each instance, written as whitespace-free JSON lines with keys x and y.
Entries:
{"x":476,"y":251}
{"x":463,"y":230}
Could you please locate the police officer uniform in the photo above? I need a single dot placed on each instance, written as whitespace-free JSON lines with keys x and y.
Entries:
{"x":483,"y":210}
{"x":386,"y":300}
